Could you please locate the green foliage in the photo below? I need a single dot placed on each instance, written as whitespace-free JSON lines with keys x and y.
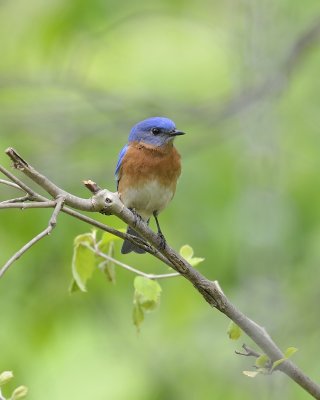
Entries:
{"x":146,"y":298}
{"x":18,"y":393}
{"x":264,"y":366}
{"x":137,"y":315}
{"x":262,"y":361}
{"x":251,"y":374}
{"x":83,"y":261}
{"x":289,"y":352}
{"x":234,"y":332}
{"x":107,"y":266}
{"x":75,"y":76}
{"x":186,"y":252}
{"x":5,"y":377}
{"x":277,"y":363}
{"x":106,"y":246}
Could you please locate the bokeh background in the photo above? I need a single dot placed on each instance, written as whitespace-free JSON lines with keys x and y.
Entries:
{"x":241,"y":77}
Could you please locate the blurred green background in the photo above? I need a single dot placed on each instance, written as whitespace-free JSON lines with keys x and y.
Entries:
{"x":75,"y":75}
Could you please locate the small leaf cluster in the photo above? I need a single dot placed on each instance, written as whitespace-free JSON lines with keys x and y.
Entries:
{"x":187,"y":252}
{"x":264,"y":365}
{"x":87,"y":258}
{"x":146,"y":298}
{"x":19,"y":393}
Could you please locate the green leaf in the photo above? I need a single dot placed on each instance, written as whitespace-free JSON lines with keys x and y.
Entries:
{"x":5,"y":377}
{"x":147,"y":293}
{"x":234,"y":332}
{"x":146,"y":298}
{"x":107,"y":266}
{"x":88,"y":238}
{"x":186,"y":252}
{"x":137,"y":315}
{"x":251,"y":374}
{"x":83,"y":265}
{"x":278,"y":362}
{"x":106,"y":239}
{"x":73,"y":287}
{"x":195,"y":261}
{"x":19,"y":393}
{"x":290,"y":352}
{"x":262,"y":361}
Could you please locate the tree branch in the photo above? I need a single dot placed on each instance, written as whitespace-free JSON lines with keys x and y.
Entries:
{"x":23,"y":205}
{"x":8,"y":183}
{"x":45,"y":232}
{"x":16,"y":200}
{"x":98,"y":202}
{"x":131,"y":269}
{"x":248,"y":352}
{"x":108,"y":202}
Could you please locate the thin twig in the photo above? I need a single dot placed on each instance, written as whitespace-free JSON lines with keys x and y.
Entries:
{"x":36,"y":196}
{"x":35,"y":204}
{"x":131,"y":269}
{"x":117,"y":233}
{"x":45,"y":232}
{"x":73,"y":201}
{"x":8,"y":183}
{"x":248,"y":352}
{"x":22,"y":185}
{"x":16,"y":200}
{"x":109,"y":202}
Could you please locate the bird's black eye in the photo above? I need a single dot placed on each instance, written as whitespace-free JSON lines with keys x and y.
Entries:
{"x":155,"y":131}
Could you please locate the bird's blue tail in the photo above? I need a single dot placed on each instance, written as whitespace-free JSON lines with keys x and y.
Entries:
{"x":128,"y":247}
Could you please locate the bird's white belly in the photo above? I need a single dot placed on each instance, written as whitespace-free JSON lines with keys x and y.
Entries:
{"x":145,"y":199}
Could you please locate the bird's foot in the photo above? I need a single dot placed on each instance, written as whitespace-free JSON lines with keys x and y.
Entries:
{"x":137,"y":217}
{"x":163,"y":241}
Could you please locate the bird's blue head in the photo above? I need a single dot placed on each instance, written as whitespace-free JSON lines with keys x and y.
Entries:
{"x":156,"y":131}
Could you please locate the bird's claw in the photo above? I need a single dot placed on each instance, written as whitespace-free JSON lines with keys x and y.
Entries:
{"x":137,"y":217}
{"x":163,"y":241}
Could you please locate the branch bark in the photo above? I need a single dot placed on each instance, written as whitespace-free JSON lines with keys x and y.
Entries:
{"x":109,"y":203}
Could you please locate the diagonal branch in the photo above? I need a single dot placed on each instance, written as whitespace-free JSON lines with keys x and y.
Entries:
{"x":109,"y":203}
{"x":22,"y":185}
{"x":73,"y":201}
{"x":97,"y":203}
{"x":34,"y":196}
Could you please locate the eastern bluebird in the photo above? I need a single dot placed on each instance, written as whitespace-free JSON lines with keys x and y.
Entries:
{"x":147,"y":171}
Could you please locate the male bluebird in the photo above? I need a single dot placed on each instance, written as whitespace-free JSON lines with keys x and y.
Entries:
{"x":147,"y":171}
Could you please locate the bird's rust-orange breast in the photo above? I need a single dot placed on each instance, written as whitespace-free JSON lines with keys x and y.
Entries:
{"x":143,"y":162}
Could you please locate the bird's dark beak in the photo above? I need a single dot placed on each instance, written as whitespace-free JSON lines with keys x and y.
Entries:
{"x":175,"y":132}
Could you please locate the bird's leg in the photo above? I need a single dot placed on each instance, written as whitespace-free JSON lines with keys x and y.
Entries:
{"x":137,"y":217}
{"x":160,"y":234}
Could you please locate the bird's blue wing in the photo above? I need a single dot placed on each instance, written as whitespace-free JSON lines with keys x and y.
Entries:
{"x":121,"y":155}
